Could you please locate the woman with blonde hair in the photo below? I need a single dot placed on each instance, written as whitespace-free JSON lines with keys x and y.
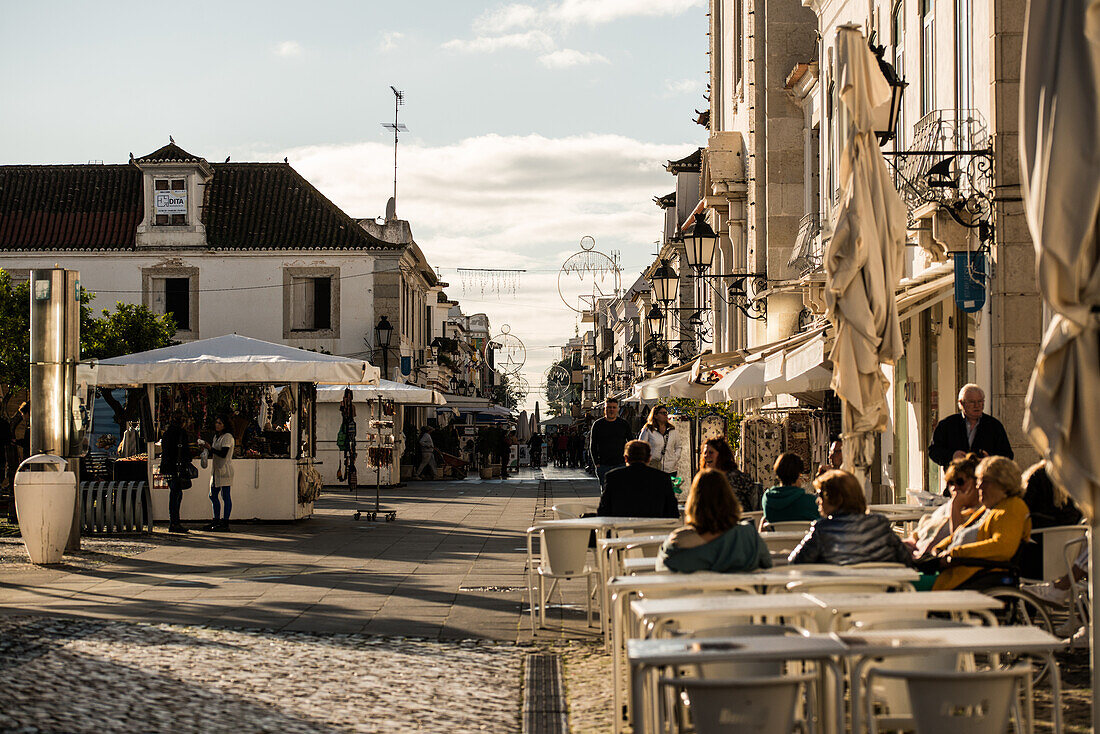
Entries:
{"x":995,"y":533}
{"x":847,"y":533}
{"x":714,"y":538}
{"x":663,"y":440}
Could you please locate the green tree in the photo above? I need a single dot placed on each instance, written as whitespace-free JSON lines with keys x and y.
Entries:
{"x":127,"y":329}
{"x":504,"y":393}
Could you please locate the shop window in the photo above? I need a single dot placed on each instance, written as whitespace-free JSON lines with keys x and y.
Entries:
{"x":170,"y":202}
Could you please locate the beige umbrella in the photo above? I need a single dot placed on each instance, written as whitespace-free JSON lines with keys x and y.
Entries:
{"x":1060,"y":161}
{"x":863,"y":258}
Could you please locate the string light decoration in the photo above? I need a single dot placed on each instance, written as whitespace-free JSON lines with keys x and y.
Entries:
{"x":593,"y":268}
{"x":495,"y":281}
{"x":510,"y":351}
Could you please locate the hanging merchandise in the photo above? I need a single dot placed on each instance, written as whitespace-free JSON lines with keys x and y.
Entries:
{"x":798,"y":436}
{"x":761,"y":445}
{"x":345,"y":440}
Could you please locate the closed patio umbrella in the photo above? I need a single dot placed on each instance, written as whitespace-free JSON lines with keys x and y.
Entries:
{"x":863,"y":258}
{"x":1060,"y":161}
{"x":536,"y":420}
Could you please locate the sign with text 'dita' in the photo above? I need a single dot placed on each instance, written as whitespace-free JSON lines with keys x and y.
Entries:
{"x":170,"y":202}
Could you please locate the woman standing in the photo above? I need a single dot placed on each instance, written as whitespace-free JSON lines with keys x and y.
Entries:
{"x":175,"y":458}
{"x":663,"y":440}
{"x":717,"y":454}
{"x":222,"y":479}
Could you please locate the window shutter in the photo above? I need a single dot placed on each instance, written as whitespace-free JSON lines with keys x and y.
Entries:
{"x":302,"y":303}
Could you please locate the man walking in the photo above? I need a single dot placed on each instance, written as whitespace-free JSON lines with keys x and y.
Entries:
{"x":971,"y":430}
{"x":609,"y":437}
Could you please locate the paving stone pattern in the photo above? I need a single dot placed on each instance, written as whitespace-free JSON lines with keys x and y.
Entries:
{"x":66,"y":675}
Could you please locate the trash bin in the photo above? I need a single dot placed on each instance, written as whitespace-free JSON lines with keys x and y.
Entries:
{"x":45,"y":497}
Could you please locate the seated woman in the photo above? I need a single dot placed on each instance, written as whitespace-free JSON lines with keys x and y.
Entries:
{"x":717,"y":454}
{"x":1050,"y":506}
{"x":714,"y":539}
{"x":934,"y":527}
{"x":993,"y":534}
{"x":846,"y":532}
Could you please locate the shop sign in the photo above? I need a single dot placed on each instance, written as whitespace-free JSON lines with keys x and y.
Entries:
{"x":406,"y":366}
{"x":970,"y":280}
{"x":170,"y":202}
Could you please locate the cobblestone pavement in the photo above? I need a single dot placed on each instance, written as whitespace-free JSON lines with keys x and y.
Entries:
{"x":67,"y":675}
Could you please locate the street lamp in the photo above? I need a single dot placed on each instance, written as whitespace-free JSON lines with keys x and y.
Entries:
{"x":434,"y":346}
{"x":384,"y":331}
{"x":653,"y":319}
{"x":664,"y":281}
{"x":699,"y":243}
{"x":897,"y":87}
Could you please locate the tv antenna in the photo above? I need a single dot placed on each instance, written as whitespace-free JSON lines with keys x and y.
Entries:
{"x":396,"y":127}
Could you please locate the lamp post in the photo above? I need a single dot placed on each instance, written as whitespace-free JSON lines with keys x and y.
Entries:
{"x":665,"y":280}
{"x":897,"y":87}
{"x":700,"y":242}
{"x":384,"y":332}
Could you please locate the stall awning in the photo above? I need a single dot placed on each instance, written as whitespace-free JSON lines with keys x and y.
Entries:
{"x":674,"y":383}
{"x":387,"y":389}
{"x":743,"y":383}
{"x":232,"y":358}
{"x":466,"y":404}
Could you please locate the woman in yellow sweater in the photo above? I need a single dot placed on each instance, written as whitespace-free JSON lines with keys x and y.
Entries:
{"x":993,"y":533}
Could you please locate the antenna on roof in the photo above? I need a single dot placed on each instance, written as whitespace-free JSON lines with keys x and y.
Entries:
{"x":396,"y":127}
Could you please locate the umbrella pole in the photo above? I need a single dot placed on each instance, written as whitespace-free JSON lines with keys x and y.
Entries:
{"x":1094,"y":590}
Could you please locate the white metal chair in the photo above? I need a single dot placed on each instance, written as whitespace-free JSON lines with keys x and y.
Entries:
{"x":1054,"y":542}
{"x":973,"y":702}
{"x":571,"y":510}
{"x":563,"y":555}
{"x":824,"y":618}
{"x":793,"y":526}
{"x":743,"y":705}
{"x":889,"y":695}
{"x":783,"y":544}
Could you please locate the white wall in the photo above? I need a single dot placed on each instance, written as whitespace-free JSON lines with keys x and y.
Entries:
{"x":223,"y":306}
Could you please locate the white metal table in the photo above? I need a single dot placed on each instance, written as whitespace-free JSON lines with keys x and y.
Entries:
{"x":646,"y":657}
{"x":956,"y":603}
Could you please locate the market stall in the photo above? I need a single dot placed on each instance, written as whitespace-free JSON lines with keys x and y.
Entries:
{"x":267,"y":390}
{"x":378,"y":440}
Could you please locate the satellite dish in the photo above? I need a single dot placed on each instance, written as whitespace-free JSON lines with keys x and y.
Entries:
{"x":391,"y":210}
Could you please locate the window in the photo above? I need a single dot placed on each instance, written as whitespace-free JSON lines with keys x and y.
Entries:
{"x":311,"y":303}
{"x":173,"y":291}
{"x":963,"y":54}
{"x":927,"y":65}
{"x":170,"y":202}
{"x":897,"y":31}
{"x":312,"y":308}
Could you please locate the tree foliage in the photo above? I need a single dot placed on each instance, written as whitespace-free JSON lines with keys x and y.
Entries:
{"x":127,"y":329}
{"x":504,"y":393}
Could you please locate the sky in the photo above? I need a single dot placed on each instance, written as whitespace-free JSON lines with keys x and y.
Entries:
{"x":531,"y":124}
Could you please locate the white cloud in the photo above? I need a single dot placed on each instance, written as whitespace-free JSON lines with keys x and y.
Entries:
{"x":529,"y":41}
{"x":577,"y":12}
{"x":288,"y":48}
{"x":498,"y":201}
{"x":566,"y":58}
{"x":683,"y":86}
{"x":390,"y":40}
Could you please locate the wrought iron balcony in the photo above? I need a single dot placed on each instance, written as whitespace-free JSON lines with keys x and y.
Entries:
{"x":808,"y":250}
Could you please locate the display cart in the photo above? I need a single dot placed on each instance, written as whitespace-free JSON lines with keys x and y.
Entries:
{"x":274,"y":472}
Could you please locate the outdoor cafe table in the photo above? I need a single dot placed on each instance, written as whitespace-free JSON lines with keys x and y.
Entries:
{"x":612,"y":551}
{"x":649,"y":656}
{"x":865,"y":646}
{"x":622,"y":588}
{"x":605,"y":527}
{"x":956,"y":603}
{"x":902,"y":513}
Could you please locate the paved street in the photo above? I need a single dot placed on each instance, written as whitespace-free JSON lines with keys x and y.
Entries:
{"x":330,"y":624}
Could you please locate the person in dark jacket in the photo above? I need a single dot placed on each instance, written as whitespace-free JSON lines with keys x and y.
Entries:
{"x":637,"y":489}
{"x":969,"y":431}
{"x":714,"y":538}
{"x":609,"y":436}
{"x":788,"y":501}
{"x":846,"y":532}
{"x":1050,"y":506}
{"x":175,"y":457}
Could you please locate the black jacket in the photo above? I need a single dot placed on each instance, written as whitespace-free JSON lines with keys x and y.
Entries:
{"x":638,"y":490}
{"x":175,"y":451}
{"x":950,"y":436}
{"x":608,"y":440}
{"x":847,"y":538}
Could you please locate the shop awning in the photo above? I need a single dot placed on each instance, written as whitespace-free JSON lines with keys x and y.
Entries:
{"x":925,"y":290}
{"x":798,"y":370}
{"x":467,"y":404}
{"x":232,"y":358}
{"x":386,"y":389}
{"x":743,"y":383}
{"x":674,"y":383}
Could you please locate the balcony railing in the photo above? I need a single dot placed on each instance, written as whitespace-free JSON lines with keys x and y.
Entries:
{"x":809,"y":250}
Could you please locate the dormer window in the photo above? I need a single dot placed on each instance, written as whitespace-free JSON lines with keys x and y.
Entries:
{"x":170,"y":202}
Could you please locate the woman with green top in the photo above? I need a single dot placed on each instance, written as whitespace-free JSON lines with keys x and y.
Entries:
{"x":714,"y":538}
{"x":787,"y":501}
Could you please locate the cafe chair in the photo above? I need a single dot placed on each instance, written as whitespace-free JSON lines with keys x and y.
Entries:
{"x":791,"y":526}
{"x":571,"y":510}
{"x":563,"y":555}
{"x":744,"y":705}
{"x":962,"y":702}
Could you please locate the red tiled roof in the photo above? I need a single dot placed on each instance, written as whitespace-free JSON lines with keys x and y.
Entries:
{"x":247,"y":206}
{"x":170,"y":152}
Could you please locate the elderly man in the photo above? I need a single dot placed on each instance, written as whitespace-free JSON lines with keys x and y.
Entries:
{"x":969,"y":431}
{"x":637,"y":489}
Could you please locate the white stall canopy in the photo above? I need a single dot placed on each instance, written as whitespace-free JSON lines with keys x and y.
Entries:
{"x":386,"y":389}
{"x":233,"y":358}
